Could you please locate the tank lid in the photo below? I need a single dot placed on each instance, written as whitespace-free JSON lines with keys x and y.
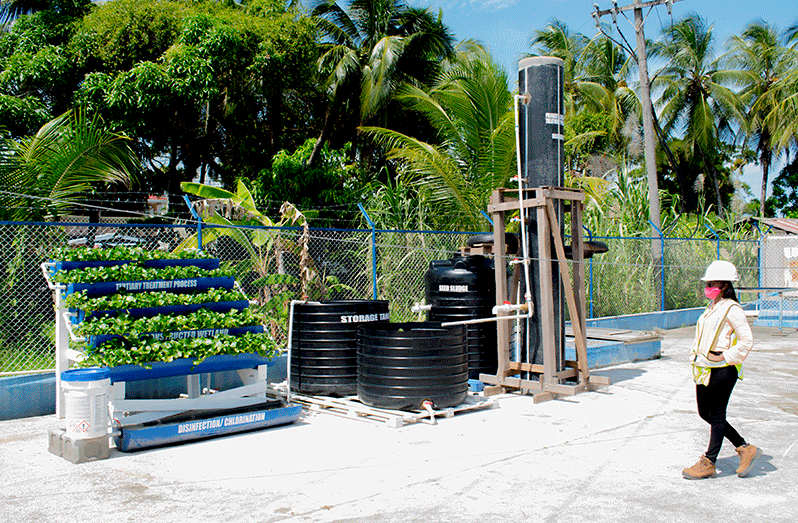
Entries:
{"x":536,"y":61}
{"x":92,"y":374}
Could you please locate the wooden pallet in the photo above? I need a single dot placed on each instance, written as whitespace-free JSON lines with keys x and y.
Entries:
{"x":350,"y":407}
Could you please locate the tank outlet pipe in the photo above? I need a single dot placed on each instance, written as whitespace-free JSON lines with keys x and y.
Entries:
{"x":288,"y":345}
{"x":509,"y":307}
{"x":420,"y":307}
{"x":427,"y":404}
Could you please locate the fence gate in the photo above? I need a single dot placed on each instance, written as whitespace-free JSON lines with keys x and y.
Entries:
{"x":779,"y":268}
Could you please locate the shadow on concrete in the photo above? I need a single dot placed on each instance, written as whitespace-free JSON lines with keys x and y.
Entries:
{"x":618,"y":375}
{"x":727,"y":466}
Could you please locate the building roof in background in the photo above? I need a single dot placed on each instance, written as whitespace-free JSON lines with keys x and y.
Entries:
{"x":788,"y":225}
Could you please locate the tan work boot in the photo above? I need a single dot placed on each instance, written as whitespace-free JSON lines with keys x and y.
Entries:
{"x":704,"y":468}
{"x":748,"y":454}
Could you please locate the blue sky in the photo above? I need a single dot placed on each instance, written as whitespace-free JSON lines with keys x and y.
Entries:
{"x":506,"y":27}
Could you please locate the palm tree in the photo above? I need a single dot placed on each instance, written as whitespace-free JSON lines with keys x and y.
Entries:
{"x":55,"y":168}
{"x":13,"y":9}
{"x":559,"y":41}
{"x":374,"y":46}
{"x":469,"y":107}
{"x":762,"y":62}
{"x":694,"y":99}
{"x":595,"y":76}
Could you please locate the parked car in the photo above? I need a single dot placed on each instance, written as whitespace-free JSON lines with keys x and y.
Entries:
{"x":108,"y":240}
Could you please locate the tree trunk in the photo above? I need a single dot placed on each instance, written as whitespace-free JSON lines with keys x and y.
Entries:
{"x":714,"y":175}
{"x":173,"y":185}
{"x":325,"y":132}
{"x":275,"y":123}
{"x":764,"y":159}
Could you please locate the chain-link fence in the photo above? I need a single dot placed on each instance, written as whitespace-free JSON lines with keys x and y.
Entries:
{"x":625,"y":280}
{"x":272,"y":263}
{"x":780,"y":270}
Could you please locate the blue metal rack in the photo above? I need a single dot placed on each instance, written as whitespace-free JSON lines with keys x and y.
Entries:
{"x":153,"y":422}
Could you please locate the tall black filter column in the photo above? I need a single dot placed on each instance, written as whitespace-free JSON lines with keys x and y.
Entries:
{"x":541,"y":119}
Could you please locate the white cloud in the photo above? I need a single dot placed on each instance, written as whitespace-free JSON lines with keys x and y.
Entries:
{"x":490,"y":6}
{"x":494,"y":5}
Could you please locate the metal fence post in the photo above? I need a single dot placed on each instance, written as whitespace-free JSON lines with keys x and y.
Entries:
{"x":662,"y":268}
{"x":199,"y":221}
{"x":717,"y":250}
{"x":759,"y":256}
{"x":373,"y":249}
{"x":590,"y":275}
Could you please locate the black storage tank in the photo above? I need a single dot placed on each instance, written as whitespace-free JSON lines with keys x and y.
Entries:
{"x":401,"y":365}
{"x":464,"y":288}
{"x":324,"y":344}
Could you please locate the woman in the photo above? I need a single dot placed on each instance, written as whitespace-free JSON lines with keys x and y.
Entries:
{"x":722,"y":341}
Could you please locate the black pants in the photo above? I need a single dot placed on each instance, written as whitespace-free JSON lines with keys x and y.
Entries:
{"x":712,"y":401}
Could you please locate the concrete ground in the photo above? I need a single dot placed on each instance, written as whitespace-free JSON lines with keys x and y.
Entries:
{"x":610,"y":455}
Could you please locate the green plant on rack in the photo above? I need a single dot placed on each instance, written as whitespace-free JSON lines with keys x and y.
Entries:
{"x":121,"y":300}
{"x":130,"y":272}
{"x":122,"y":253}
{"x":201,"y":319}
{"x":147,"y":350}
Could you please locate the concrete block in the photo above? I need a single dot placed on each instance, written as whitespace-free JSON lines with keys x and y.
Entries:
{"x":55,"y":441}
{"x":78,"y":450}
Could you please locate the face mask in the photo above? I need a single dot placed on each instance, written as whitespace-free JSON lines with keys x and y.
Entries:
{"x":711,"y":292}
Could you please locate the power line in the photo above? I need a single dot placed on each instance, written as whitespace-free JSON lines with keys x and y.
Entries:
{"x":648,"y":115}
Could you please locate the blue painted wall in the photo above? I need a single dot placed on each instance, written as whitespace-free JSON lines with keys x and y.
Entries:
{"x":25,"y":396}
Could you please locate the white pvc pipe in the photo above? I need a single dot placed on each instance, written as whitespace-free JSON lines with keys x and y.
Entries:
{"x":417,"y":307}
{"x":53,"y":286}
{"x":484,"y":320}
{"x":67,"y":323}
{"x":522,"y":214}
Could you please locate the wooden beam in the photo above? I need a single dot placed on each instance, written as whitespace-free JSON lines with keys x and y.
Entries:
{"x":563,"y":194}
{"x":545,"y":282}
{"x":500,"y":275}
{"x":492,"y":390}
{"x":525,"y":367}
{"x":528,"y":203}
{"x":577,"y":257}
{"x":513,"y":383}
{"x":579,"y":335}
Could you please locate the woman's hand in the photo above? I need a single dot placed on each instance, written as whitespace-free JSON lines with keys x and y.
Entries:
{"x":714,"y":357}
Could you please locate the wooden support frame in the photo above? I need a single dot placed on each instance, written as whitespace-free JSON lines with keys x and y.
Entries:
{"x":552,"y":381}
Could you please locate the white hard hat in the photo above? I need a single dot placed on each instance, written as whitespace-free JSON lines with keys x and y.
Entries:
{"x":721,"y":270}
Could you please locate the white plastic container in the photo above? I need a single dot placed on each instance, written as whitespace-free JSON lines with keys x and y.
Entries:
{"x":86,"y":401}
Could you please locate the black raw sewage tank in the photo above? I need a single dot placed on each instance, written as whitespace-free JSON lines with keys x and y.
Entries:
{"x":400,"y":365}
{"x":464,"y":288}
{"x":324,"y":344}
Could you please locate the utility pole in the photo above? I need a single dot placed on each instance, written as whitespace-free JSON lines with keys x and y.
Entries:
{"x":649,"y":151}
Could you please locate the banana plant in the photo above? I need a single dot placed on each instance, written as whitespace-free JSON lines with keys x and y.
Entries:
{"x":235,"y":215}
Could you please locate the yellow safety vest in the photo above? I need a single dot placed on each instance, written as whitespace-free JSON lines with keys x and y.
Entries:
{"x":707,"y":332}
